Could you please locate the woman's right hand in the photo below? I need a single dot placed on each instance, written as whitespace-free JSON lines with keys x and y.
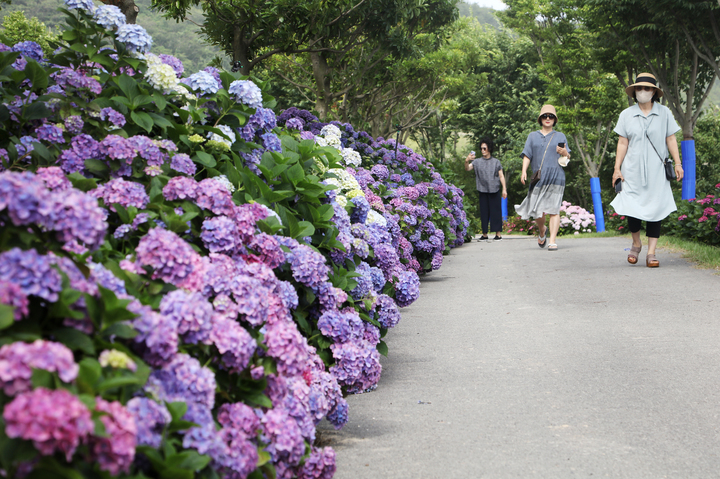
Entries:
{"x":523,"y":177}
{"x":470,"y":157}
{"x":617,"y":174}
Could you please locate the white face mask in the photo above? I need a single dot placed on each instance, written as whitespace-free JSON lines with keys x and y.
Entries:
{"x":644,"y":96}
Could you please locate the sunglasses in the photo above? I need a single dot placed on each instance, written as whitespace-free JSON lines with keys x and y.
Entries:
{"x":547,"y":116}
{"x":645,"y":88}
{"x":483,"y":148}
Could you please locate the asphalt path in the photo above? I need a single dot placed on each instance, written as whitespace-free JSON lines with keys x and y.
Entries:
{"x":518,"y":362}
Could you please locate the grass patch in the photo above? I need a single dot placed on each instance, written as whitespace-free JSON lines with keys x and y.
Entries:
{"x":705,"y":256}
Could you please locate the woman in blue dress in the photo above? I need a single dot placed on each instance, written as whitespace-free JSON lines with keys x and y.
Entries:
{"x":647,"y":133}
{"x":543,"y":149}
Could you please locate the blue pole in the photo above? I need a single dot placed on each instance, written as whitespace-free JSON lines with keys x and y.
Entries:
{"x":688,"y":162}
{"x":597,"y":204}
{"x":503,"y":205}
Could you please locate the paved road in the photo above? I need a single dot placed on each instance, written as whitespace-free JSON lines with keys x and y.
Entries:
{"x":518,"y":362}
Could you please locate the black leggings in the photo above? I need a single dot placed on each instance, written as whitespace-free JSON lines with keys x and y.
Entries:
{"x":652,"y":228}
{"x":490,"y":209}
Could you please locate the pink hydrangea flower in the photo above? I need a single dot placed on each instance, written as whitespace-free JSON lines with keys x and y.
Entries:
{"x":52,"y":420}
{"x":17,"y":360}
{"x":116,"y":452}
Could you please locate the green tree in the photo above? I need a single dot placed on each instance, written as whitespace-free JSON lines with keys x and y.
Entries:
{"x":651,"y":36}
{"x":588,"y":99}
{"x":17,"y":28}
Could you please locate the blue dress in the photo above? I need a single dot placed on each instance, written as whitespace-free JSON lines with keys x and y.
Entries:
{"x":646,"y":193}
{"x":546,"y":196}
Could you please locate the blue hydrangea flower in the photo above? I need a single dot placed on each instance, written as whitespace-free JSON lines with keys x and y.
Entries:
{"x":202,"y":81}
{"x":246,"y":92}
{"x":135,"y":37}
{"x":29,"y":49}
{"x":80,"y":4}
{"x":50,"y":133}
{"x":271,"y":142}
{"x":109,"y":16}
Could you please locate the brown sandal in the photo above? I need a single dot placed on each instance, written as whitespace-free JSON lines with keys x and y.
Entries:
{"x":651,"y":261}
{"x":633,"y":254}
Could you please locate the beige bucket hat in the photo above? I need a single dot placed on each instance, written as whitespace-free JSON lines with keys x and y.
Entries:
{"x":548,"y":109}
{"x":644,"y":79}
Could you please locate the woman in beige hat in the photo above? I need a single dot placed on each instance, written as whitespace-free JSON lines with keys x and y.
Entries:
{"x":647,"y":133}
{"x":543,"y":149}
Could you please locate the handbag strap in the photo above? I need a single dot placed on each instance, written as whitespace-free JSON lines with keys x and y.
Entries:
{"x":651,"y":143}
{"x":546,"y":148}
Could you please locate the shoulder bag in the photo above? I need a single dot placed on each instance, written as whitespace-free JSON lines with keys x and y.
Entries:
{"x":667,"y":163}
{"x":536,"y":176}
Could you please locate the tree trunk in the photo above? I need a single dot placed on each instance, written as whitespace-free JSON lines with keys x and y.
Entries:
{"x":240,"y":56}
{"x":322,"y":80}
{"x":128,"y":7}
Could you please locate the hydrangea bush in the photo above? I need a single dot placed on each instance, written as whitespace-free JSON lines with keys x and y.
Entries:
{"x":186,"y":288}
{"x":697,"y":219}
{"x":575,"y":219}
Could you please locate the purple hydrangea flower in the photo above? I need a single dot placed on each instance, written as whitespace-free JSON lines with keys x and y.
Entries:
{"x":388,"y":314}
{"x":294,"y":124}
{"x":407,"y":288}
{"x":191,"y":313}
{"x":308,"y":266}
{"x":219,"y":234}
{"x":157,"y":334}
{"x":32,"y":272}
{"x":117,"y":148}
{"x":147,"y":149}
{"x":53,"y":178}
{"x":285,"y":439}
{"x":357,"y":365}
{"x":116,"y":452}
{"x":123,"y":193}
{"x":171,"y":258}
{"x":174,"y":62}
{"x":67,"y":77}
{"x":113,"y":116}
{"x":184,"y":379}
{"x":151,"y":419}
{"x":320,"y":464}
{"x":271,"y":142}
{"x":341,"y":326}
{"x":234,"y":343}
{"x":55,"y":421}
{"x":17,"y":360}
{"x":183,"y":164}
{"x":12,"y":295}
{"x":50,"y":133}
{"x":287,"y":346}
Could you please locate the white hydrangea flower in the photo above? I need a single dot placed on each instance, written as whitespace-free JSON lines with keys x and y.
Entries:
{"x":351,"y":157}
{"x":320,"y":141}
{"x":341,"y":200}
{"x":334,"y":141}
{"x":225,"y":129}
{"x":347,"y":181}
{"x":116,"y":359}
{"x":225,"y":182}
{"x":353,"y":193}
{"x":328,"y":130}
{"x":332,"y":181}
{"x":160,"y":75}
{"x":375,"y":218}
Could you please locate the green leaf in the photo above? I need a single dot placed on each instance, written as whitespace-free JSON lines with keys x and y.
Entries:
{"x":128,"y":85}
{"x":42,"y":378}
{"x":36,"y":111}
{"x":88,"y":375}
{"x":97,"y":167}
{"x":306,"y":229}
{"x":36,"y":74}
{"x":142,"y":119}
{"x":118,"y":381}
{"x":121,"y":330}
{"x":177,"y":409}
{"x":159,"y":100}
{"x":205,"y":159}
{"x":81,"y":183}
{"x":382,"y":348}
{"x":188,"y":460}
{"x":75,"y":340}
{"x":295,"y":174}
{"x":7,"y":316}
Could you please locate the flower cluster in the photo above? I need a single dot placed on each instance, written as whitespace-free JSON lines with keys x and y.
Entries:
{"x":575,"y":219}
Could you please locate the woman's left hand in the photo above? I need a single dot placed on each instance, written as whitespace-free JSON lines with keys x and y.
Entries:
{"x":504,"y":193}
{"x":679,"y":171}
{"x":562,"y":151}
